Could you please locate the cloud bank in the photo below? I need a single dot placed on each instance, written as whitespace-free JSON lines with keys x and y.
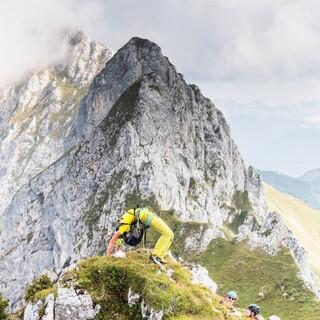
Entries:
{"x":31,"y":32}
{"x":258,"y":61}
{"x":234,"y":39}
{"x":210,"y":40}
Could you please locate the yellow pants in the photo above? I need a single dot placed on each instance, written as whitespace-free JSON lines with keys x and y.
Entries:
{"x":163,"y":244}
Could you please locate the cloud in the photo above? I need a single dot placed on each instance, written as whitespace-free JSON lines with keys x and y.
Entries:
{"x":257,"y":60}
{"x":225,"y":40}
{"x":31,"y":32}
{"x":208,"y":40}
{"x":313,"y":120}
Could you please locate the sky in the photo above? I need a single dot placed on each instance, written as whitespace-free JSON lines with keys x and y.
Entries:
{"x":258,"y":61}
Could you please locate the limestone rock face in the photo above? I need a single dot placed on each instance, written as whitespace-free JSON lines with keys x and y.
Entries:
{"x":37,"y":113}
{"x":146,"y":312}
{"x":32,"y":311}
{"x":73,"y":158}
{"x":200,"y":276}
{"x":49,"y":305}
{"x":70,"y":305}
{"x":40,"y":310}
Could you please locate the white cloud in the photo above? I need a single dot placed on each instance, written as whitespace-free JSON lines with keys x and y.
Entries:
{"x":313,"y":120}
{"x":208,"y":40}
{"x":223,"y":40}
{"x":257,"y":60}
{"x":30,"y":31}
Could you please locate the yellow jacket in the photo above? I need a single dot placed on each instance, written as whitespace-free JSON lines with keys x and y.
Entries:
{"x":145,"y":216}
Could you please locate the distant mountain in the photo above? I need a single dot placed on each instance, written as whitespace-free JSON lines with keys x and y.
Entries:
{"x":313,"y":178}
{"x":306,"y":188}
{"x":312,"y":175}
{"x":303,"y":221}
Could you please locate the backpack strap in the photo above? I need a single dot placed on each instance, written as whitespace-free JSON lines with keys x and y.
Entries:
{"x":133,"y":214}
{"x":150,"y":217}
{"x":136,"y":217}
{"x":144,"y":239}
{"x":137,"y":220}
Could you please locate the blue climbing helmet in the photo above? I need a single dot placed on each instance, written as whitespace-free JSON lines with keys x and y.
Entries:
{"x":232,"y":295}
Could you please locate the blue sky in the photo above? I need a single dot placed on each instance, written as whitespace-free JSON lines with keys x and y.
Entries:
{"x":258,"y":61}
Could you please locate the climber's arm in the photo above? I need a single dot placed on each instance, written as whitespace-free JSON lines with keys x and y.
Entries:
{"x":113,"y":243}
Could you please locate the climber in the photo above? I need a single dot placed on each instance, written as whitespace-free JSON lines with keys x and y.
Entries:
{"x":131,"y":230}
{"x":253,"y":311}
{"x":229,"y":302}
{"x":230,"y":299}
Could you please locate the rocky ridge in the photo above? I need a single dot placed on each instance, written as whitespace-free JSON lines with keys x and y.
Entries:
{"x":274,"y":234}
{"x":36,"y":113}
{"x":88,"y":291}
{"x":140,"y":134}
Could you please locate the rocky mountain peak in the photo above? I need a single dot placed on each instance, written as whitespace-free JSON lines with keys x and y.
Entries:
{"x":37,"y":112}
{"x":83,"y":58}
{"x":137,"y":134}
{"x":136,"y":58}
{"x":148,"y":136}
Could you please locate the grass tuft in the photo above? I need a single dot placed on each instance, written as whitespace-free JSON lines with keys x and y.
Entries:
{"x":39,"y":289}
{"x":3,"y":306}
{"x":108,"y":280}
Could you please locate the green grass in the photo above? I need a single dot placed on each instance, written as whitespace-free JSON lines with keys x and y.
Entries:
{"x":41,"y":295}
{"x":237,"y":221}
{"x":234,"y":266}
{"x":134,"y":200}
{"x":17,"y":315}
{"x":240,"y":209}
{"x":192,"y":189}
{"x":108,"y":280}
{"x":39,"y":289}
{"x":241,"y":201}
{"x":3,"y":305}
{"x":124,"y":110}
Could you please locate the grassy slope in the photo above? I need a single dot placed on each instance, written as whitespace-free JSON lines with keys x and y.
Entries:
{"x":302,"y":220}
{"x":109,"y":279}
{"x":234,"y":266}
{"x":231,"y":264}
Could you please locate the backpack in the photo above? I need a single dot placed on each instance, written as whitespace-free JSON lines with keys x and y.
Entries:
{"x":136,"y":233}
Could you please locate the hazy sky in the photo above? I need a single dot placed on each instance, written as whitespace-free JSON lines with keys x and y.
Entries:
{"x":259,"y":61}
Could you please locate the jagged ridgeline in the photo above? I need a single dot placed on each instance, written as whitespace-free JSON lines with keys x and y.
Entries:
{"x":138,"y":134}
